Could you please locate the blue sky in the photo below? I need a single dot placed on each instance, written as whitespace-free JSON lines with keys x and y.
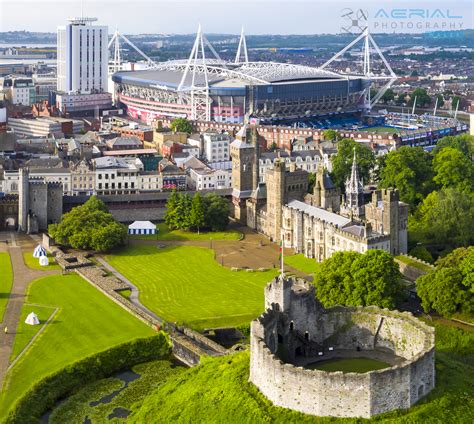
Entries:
{"x":227,"y":16}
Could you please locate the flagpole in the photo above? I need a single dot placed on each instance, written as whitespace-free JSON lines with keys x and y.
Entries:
{"x":281,"y":256}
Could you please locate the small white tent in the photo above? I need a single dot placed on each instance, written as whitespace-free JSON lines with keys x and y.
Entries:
{"x":142,"y":227}
{"x":32,"y":319}
{"x":39,"y":251}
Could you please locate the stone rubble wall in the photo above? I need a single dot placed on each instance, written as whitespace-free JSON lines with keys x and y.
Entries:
{"x":340,"y":394}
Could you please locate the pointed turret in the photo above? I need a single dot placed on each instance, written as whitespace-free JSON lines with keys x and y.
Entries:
{"x":354,"y":188}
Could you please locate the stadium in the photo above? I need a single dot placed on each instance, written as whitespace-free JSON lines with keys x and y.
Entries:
{"x":211,"y":89}
{"x":261,"y":89}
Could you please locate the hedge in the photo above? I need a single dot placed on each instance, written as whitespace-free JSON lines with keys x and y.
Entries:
{"x":46,"y":393}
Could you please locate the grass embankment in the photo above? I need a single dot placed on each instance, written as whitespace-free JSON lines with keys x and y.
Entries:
{"x":301,"y":263}
{"x":76,"y":408}
{"x":185,"y":284}
{"x":87,"y":322}
{"x":33,"y":263}
{"x":409,"y":261}
{"x":6,"y":281}
{"x":220,"y":388}
{"x":164,"y":233}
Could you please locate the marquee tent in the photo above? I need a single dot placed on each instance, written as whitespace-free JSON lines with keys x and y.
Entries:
{"x":32,"y":319}
{"x":39,"y":251}
{"x":142,"y":227}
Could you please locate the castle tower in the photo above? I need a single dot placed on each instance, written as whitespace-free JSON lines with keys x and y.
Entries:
{"x":275,"y":181}
{"x":242,"y":152}
{"x":278,"y":292}
{"x":390,"y":218}
{"x":23,"y":200}
{"x":325,"y":194}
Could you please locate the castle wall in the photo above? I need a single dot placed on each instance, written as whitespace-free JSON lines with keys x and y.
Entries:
{"x":340,"y":394}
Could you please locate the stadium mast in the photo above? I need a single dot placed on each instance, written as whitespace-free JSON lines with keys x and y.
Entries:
{"x":242,"y":49}
{"x":369,"y":44}
{"x":117,"y":61}
{"x":197,"y":64}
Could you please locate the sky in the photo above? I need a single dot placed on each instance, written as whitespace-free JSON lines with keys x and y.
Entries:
{"x":227,"y":16}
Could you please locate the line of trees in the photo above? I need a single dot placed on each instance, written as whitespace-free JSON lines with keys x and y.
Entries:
{"x":210,"y":212}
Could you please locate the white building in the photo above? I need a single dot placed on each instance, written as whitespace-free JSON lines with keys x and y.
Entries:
{"x":206,"y":178}
{"x":19,"y":89}
{"x":124,"y":176}
{"x":216,"y":147}
{"x":309,"y":161}
{"x":82,"y":65}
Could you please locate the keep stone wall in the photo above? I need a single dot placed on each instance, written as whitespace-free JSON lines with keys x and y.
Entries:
{"x":340,"y":394}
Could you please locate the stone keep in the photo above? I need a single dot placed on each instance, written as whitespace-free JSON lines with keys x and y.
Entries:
{"x":296,"y":326}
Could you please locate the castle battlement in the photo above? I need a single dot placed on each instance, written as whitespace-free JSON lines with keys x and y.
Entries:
{"x":299,"y":331}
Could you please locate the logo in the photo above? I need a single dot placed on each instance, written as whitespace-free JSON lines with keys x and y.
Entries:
{"x":354,"y":21}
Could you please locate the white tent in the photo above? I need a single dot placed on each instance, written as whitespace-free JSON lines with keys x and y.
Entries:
{"x":39,"y":251}
{"x":32,"y":319}
{"x":142,"y":227}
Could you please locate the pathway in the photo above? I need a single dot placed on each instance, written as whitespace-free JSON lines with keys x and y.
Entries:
{"x":22,"y":276}
{"x":134,"y":294}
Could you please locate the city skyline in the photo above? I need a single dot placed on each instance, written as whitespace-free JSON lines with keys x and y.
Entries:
{"x":182,"y":17}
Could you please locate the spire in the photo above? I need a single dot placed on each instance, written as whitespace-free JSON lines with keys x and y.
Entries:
{"x":354,"y":187}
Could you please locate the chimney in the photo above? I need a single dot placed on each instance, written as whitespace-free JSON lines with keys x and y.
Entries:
{"x":368,"y":229}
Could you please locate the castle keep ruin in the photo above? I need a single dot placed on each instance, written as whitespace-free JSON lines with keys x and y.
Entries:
{"x":295,"y":331}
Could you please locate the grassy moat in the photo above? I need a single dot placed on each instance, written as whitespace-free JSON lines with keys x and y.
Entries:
{"x":359,"y":365}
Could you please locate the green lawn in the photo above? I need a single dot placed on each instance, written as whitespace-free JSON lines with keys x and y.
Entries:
{"x":360,"y":365}
{"x":382,"y":129}
{"x":25,"y":332}
{"x":185,"y":284}
{"x":413,"y":263}
{"x":179,"y":235}
{"x":86,"y":322}
{"x":33,"y":263}
{"x":301,"y":263}
{"x":6,"y":281}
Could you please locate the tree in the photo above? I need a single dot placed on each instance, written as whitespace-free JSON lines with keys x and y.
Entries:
{"x":171,"y":217}
{"x":422,"y":97}
{"x":440,"y":100}
{"x":445,"y":218}
{"x":342,"y":161}
{"x":90,"y":227}
{"x":463,"y":142}
{"x":311,"y":181}
{"x":409,"y":170}
{"x":329,"y":135}
{"x":353,"y":279}
{"x":388,"y":96}
{"x":217,"y":212}
{"x":449,"y":288}
{"x":422,"y":253}
{"x":181,"y":125}
{"x":453,"y":169}
{"x":196,"y":215}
